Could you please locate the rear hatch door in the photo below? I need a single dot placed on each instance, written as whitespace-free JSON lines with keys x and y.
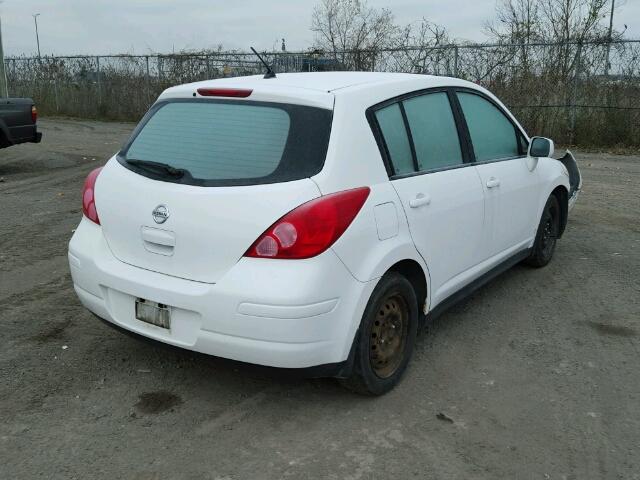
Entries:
{"x":204,"y":230}
{"x":231,"y":169}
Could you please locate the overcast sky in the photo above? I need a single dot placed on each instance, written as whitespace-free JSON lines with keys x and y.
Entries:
{"x":144,"y":26}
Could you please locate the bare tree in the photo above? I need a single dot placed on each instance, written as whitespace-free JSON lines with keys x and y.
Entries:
{"x":352,"y":31}
{"x":577,"y":20}
{"x":417,"y":49}
{"x":364,"y":38}
{"x":517,"y":21}
{"x":549,"y":20}
{"x":574,"y":26}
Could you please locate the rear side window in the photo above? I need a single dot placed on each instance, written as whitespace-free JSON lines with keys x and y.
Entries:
{"x":434,"y":131}
{"x":396,"y":138}
{"x":492,"y":133}
{"x":231,"y":142}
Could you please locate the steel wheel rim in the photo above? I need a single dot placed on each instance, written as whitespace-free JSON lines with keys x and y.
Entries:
{"x":389,"y":336}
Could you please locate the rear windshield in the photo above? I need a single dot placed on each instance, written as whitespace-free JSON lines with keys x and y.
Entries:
{"x":219,"y":142}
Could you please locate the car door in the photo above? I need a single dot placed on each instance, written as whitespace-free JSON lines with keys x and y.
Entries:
{"x":511,"y":186}
{"x":439,"y":190}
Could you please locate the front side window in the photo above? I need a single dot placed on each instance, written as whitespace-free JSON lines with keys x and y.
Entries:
{"x":433,"y":129}
{"x":492,"y":133}
{"x":232,"y":142}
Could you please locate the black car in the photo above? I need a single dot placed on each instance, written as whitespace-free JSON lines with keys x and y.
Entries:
{"x":18,"y":122}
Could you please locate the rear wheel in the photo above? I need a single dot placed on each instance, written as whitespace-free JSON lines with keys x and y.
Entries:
{"x":546,"y":238}
{"x":385,"y":340}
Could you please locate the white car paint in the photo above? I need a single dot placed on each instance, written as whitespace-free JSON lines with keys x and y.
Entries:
{"x":451,"y":194}
{"x":454,"y":224}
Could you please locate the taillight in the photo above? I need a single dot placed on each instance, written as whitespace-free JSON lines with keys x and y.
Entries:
{"x":225,"y":92}
{"x":34,"y":114}
{"x":311,"y":228}
{"x":89,"y":198}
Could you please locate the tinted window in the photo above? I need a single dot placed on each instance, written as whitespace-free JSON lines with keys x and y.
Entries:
{"x":492,"y":134}
{"x":234,"y":142}
{"x":395,"y":136}
{"x":434,"y":131}
{"x":523,"y":144}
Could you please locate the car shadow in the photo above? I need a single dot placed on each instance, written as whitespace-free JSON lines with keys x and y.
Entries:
{"x":231,"y":373}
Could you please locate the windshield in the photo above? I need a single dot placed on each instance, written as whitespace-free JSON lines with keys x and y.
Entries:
{"x":229,"y":142}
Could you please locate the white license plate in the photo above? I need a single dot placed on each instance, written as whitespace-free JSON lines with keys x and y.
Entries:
{"x":157,"y":314}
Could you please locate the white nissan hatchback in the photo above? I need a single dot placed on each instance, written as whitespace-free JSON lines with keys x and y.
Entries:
{"x":314,"y":220}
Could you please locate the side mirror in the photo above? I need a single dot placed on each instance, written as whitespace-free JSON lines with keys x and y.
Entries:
{"x":541,"y":147}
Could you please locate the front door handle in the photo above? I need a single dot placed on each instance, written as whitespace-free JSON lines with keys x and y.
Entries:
{"x":493,"y":182}
{"x":420,"y":200}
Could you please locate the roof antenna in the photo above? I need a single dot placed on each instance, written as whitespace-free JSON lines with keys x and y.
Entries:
{"x":270,"y":73}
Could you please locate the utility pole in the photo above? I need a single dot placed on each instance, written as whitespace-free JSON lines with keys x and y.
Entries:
{"x":4,"y":87}
{"x":607,"y":66}
{"x":35,"y":19}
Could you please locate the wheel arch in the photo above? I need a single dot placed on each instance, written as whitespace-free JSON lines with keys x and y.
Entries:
{"x":562,"y":194}
{"x":415,"y":273}
{"x":555,"y":182}
{"x":403,"y":258}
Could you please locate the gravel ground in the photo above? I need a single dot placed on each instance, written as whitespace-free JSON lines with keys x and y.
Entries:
{"x":534,"y":376}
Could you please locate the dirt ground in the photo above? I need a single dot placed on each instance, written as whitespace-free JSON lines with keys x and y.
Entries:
{"x":536,"y":376}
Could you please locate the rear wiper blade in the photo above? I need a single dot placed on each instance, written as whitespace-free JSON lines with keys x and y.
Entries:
{"x":161,"y":167}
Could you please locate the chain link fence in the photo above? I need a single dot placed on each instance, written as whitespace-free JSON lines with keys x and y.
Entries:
{"x":583,"y":93}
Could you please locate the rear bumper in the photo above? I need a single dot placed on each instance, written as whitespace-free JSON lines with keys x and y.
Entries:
{"x":338,"y":370}
{"x":279,"y":313}
{"x":27,"y":134}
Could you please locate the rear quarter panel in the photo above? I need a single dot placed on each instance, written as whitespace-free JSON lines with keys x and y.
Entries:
{"x":353,"y":159}
{"x":379,"y":235}
{"x":368,"y":253}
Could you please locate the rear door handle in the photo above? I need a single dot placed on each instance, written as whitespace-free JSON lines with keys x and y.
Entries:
{"x":493,"y":182}
{"x":420,"y":200}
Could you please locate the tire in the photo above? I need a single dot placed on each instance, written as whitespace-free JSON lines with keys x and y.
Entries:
{"x":547,"y":234}
{"x":392,"y":316}
{"x":3,"y":141}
